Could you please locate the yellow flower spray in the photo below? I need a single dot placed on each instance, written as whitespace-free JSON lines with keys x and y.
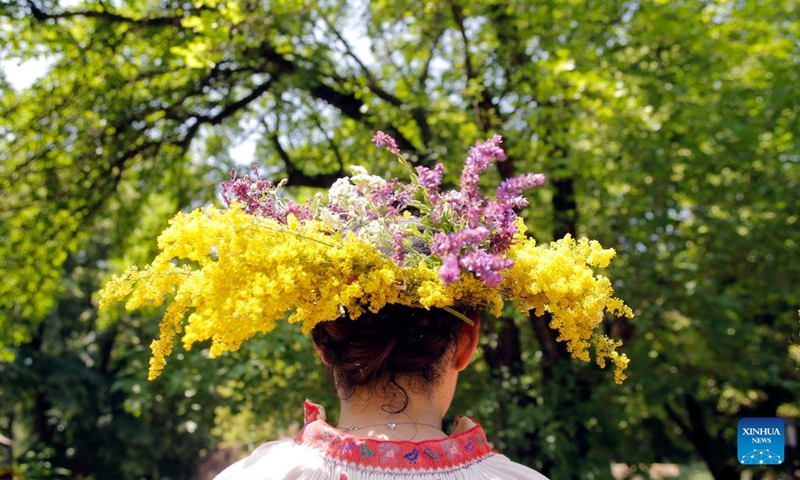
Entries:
{"x":229,"y":275}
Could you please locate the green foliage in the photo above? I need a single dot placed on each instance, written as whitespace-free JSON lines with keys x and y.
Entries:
{"x":668,"y":130}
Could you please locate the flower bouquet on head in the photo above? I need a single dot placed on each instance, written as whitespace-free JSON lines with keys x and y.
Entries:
{"x":230,"y":274}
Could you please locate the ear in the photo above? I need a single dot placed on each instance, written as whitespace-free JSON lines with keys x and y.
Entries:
{"x":467,"y":343}
{"x":321,"y":356}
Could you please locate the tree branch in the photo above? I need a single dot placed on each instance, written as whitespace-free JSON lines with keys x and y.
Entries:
{"x":554,"y":351}
{"x":417,"y":113}
{"x":104,"y":14}
{"x":423,"y":77}
{"x":482,"y":105}
{"x":673,"y":415}
{"x":234,"y":107}
{"x":511,"y":46}
{"x":565,"y":206}
{"x":507,"y":354}
{"x":697,"y":434}
{"x":371,"y":82}
{"x":297,"y":177}
{"x":332,"y":145}
{"x":346,"y":102}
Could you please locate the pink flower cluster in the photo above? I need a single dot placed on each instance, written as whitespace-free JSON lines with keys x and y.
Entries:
{"x":462,"y":230}
{"x":382,"y":140}
{"x":472,"y":232}
{"x":259,"y":197}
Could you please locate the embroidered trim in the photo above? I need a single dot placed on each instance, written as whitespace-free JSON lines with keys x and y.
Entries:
{"x":456,"y":451}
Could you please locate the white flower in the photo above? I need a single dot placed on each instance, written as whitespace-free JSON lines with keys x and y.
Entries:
{"x":373,"y":232}
{"x":363,"y":179}
{"x":341,"y":191}
{"x":331,"y":220}
{"x":345,"y":195}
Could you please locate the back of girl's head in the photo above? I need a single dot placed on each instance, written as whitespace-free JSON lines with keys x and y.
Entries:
{"x":384,"y":352}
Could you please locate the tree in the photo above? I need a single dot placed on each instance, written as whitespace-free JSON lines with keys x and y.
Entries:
{"x":667,"y":130}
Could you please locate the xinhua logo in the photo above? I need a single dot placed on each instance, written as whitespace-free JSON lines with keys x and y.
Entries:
{"x":760,"y":441}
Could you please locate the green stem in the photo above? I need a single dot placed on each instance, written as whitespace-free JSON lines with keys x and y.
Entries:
{"x":459,"y":315}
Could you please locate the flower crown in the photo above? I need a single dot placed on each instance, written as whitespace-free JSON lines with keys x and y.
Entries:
{"x":233,"y":273}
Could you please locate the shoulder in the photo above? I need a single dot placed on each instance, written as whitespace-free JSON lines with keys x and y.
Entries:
{"x":273,"y":460}
{"x":495,"y":465}
{"x":500,"y":466}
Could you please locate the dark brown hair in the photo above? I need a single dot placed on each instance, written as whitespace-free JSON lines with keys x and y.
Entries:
{"x":376,"y":350}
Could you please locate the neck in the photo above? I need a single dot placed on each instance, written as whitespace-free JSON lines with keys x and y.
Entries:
{"x":420,"y":420}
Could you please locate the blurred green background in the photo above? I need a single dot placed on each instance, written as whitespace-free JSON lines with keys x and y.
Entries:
{"x":667,"y":129}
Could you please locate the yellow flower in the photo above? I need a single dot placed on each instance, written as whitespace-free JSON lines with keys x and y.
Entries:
{"x":229,"y":275}
{"x":242,"y":274}
{"x":557,"y":279}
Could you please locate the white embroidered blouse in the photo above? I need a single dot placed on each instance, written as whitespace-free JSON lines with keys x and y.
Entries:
{"x":321,"y":451}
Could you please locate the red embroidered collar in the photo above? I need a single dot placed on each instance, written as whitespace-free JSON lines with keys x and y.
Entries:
{"x":467,"y":446}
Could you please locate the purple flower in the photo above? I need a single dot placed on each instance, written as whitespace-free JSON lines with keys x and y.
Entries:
{"x":392,"y":198}
{"x":451,"y":204}
{"x":480,"y":158}
{"x":449,"y":271}
{"x":431,"y":179}
{"x":511,"y":189}
{"x":476,"y":212}
{"x":399,"y":247}
{"x":473,"y":236}
{"x":471,"y":232}
{"x":486,"y":266}
{"x":441,"y":244}
{"x":382,"y":140}
{"x":505,"y":227}
{"x":258,"y":197}
{"x":491,"y":148}
{"x":444,"y":244}
{"x":454,"y":247}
